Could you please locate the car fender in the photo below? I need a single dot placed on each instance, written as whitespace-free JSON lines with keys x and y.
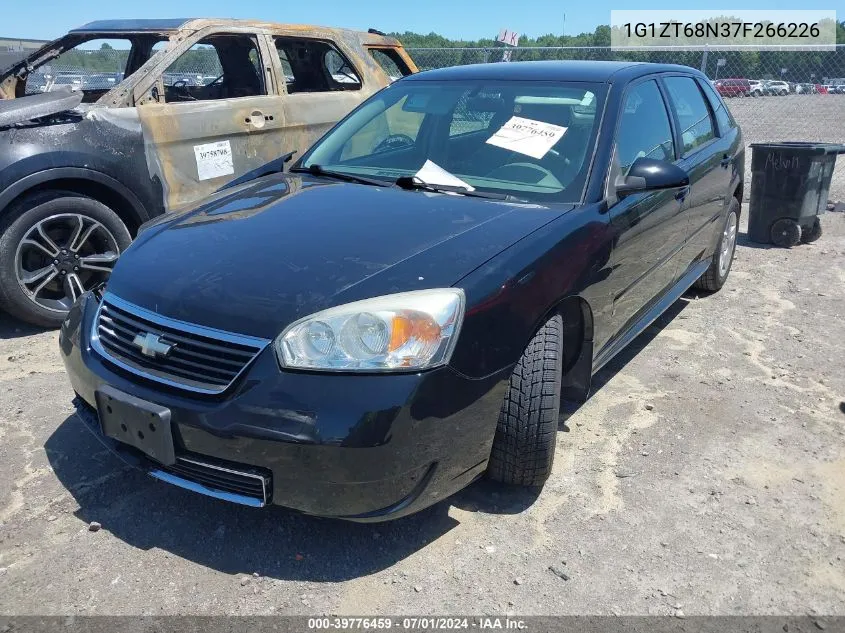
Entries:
{"x":511,"y":296}
{"x":44,"y":176}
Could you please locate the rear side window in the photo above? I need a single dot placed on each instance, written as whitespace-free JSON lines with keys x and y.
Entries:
{"x":693,"y":113}
{"x":315,"y":66}
{"x":644,"y":130}
{"x":723,"y":117}
{"x":391,"y":62}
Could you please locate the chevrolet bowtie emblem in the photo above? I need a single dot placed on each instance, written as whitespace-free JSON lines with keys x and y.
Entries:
{"x":151,"y":345}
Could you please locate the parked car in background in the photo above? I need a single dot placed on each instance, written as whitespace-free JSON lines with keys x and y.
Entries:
{"x":101,"y":81}
{"x":64,"y":81}
{"x":733,"y":87}
{"x":409,"y":306}
{"x":821,"y":89}
{"x":775,"y":88}
{"x":755,"y":88}
{"x":203,"y":102}
{"x":806,"y":89}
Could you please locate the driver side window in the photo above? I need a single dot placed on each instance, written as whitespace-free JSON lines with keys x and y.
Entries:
{"x":216,"y":67}
{"x":644,"y":130}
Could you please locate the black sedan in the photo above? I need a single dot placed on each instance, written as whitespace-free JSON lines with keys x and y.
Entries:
{"x":406,"y":309}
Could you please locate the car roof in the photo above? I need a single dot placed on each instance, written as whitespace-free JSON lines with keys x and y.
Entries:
{"x":171,"y":25}
{"x":103,"y":26}
{"x":590,"y":71}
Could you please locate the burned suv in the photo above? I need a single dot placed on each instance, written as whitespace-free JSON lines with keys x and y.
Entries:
{"x":120,"y":121}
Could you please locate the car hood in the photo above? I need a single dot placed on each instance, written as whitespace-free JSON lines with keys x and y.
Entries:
{"x":255,"y":258}
{"x":23,"y":109}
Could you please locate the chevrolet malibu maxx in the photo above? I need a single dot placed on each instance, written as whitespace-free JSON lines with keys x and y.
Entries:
{"x":406,"y":308}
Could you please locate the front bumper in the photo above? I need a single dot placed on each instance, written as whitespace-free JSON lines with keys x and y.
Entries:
{"x":358,"y":447}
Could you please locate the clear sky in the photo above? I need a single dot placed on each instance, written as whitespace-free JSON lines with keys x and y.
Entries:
{"x":467,"y":19}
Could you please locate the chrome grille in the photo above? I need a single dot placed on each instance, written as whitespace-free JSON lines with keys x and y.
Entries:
{"x":240,"y":482}
{"x":201,"y":359}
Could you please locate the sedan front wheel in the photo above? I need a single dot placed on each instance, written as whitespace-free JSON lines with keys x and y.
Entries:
{"x":54,"y":246}
{"x":526,"y":436}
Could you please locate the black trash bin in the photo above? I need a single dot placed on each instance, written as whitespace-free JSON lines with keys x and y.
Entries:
{"x":789,"y":188}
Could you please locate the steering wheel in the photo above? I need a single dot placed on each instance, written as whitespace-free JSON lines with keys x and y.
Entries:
{"x":500,"y":172}
{"x":180,"y":87}
{"x":394,"y":141}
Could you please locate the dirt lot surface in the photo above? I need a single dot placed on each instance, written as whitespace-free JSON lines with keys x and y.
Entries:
{"x":706,"y":475}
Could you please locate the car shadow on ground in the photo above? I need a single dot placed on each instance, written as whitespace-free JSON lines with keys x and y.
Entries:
{"x":11,"y":328}
{"x":233,"y":539}
{"x":492,"y":498}
{"x":742,"y":239}
{"x":272,"y":542}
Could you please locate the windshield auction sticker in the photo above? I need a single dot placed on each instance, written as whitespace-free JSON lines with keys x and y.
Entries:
{"x":750,"y":30}
{"x":214,"y":160}
{"x":527,"y":136}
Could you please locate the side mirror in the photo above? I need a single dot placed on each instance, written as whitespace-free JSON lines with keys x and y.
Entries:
{"x":649,"y":174}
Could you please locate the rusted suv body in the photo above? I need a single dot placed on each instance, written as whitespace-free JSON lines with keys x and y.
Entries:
{"x":143,"y":117}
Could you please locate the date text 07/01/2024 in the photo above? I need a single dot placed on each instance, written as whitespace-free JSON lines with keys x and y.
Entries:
{"x":416,"y":623}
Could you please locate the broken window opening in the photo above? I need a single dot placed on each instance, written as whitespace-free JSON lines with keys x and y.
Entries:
{"x":391,"y":62}
{"x":221,"y":66}
{"x":315,"y":66}
{"x":93,"y":66}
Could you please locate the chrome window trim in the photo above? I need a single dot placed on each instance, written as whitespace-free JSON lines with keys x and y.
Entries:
{"x":230,"y":337}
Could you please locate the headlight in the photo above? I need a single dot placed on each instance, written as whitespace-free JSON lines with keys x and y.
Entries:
{"x":405,"y":331}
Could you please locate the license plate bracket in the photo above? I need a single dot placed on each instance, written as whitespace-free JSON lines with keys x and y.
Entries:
{"x":130,"y":420}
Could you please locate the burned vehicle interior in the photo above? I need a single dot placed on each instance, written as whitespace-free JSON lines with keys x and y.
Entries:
{"x":221,"y":66}
{"x":230,"y":65}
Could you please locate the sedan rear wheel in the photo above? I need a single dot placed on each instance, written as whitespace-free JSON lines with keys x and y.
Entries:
{"x":720,"y":266}
{"x":53,"y":248}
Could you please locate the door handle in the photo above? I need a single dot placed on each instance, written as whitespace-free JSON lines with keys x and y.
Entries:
{"x":257,"y":119}
{"x":726,"y":160}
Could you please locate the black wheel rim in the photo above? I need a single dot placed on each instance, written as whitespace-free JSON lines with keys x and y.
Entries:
{"x":63,"y":256}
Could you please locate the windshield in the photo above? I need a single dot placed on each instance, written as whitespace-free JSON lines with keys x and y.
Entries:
{"x":531,"y":140}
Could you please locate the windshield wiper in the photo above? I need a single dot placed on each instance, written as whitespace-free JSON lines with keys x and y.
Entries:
{"x":317,"y":170}
{"x":413,"y":183}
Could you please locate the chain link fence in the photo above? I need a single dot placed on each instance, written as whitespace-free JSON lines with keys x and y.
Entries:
{"x":774,"y":95}
{"x":103,"y":68}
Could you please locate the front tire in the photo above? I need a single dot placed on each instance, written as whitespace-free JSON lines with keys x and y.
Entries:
{"x":524,"y":445}
{"x":53,"y":247}
{"x":720,"y":266}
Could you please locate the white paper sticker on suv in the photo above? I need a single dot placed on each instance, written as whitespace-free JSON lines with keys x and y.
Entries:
{"x":214,"y":160}
{"x":527,"y":136}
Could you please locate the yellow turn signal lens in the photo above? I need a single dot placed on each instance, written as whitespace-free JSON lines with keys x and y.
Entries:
{"x":413,"y":327}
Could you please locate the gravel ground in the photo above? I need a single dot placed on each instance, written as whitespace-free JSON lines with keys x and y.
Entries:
{"x":706,"y":475}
